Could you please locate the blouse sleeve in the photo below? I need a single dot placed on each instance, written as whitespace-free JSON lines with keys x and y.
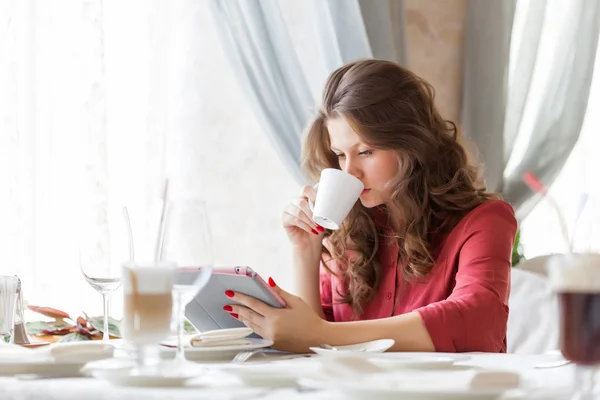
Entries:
{"x":326,"y":292}
{"x":474,"y":317}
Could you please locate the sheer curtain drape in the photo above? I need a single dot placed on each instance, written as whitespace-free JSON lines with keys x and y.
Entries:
{"x":528,"y":71}
{"x":282,"y":79}
{"x":81,"y":110}
{"x":109,"y":98}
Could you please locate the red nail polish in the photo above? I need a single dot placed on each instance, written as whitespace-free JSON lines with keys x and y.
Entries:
{"x":272,"y":282}
{"x":227,"y":308}
{"x":315,"y":232}
{"x":233,"y":315}
{"x":229,"y":293}
{"x":320,"y":228}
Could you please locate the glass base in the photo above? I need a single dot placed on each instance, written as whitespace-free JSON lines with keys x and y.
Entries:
{"x":6,"y":338}
{"x":585,"y":383}
{"x":148,"y":362}
{"x":586,"y":396}
{"x":178,"y":367}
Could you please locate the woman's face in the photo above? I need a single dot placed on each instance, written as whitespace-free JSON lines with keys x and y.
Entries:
{"x":374,"y":167}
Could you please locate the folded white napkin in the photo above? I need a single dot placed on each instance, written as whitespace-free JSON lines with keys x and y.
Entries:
{"x":15,"y":353}
{"x":80,"y":351}
{"x":447,"y":380}
{"x":218,"y":343}
{"x":494,"y":379}
{"x":72,"y":352}
{"x":361,"y":371}
{"x":222,"y":337}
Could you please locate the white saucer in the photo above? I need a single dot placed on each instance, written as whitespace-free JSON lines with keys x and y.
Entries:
{"x":123,"y":377}
{"x":375,"y":346}
{"x":217,"y":353}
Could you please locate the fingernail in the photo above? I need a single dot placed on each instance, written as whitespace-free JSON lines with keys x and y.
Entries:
{"x":233,"y":315}
{"x":320,"y":228}
{"x":227,"y":308}
{"x":315,"y":232}
{"x":272,"y":282}
{"x":229,"y":293}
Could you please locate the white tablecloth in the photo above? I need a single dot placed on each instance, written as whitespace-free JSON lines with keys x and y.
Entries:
{"x":555,"y":383}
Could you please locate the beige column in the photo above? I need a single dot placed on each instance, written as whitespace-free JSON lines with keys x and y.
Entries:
{"x":434,"y":48}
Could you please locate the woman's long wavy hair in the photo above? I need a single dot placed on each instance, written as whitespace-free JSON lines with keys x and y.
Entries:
{"x":389,"y":107}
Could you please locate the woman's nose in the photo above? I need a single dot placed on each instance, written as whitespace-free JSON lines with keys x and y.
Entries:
{"x":352,"y":168}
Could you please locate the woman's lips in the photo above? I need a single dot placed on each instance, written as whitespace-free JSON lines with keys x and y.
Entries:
{"x":365,"y":191}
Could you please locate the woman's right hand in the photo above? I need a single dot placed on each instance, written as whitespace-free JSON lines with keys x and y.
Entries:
{"x":302,"y":231}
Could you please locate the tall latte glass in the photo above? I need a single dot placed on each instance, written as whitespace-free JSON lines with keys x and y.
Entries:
{"x":576,"y":280}
{"x":148,"y":302}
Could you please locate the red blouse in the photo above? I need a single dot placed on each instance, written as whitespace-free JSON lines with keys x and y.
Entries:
{"x":463,"y":301}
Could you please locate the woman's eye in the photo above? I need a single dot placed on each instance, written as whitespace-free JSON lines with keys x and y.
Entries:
{"x":366,"y":153}
{"x":339,"y":155}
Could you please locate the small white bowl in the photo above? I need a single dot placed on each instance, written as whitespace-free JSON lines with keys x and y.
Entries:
{"x":375,"y":346}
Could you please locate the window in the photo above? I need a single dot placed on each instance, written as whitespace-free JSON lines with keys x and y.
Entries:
{"x":127,"y":93}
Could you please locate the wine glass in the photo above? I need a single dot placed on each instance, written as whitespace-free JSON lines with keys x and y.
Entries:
{"x":9,"y":286}
{"x":575,"y":278}
{"x":104,"y":243}
{"x":187,"y":242}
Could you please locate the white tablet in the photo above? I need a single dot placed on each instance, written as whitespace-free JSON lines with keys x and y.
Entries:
{"x":206,"y":312}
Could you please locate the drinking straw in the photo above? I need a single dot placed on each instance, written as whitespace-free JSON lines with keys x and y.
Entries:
{"x":536,"y":185}
{"x":129,"y":233}
{"x":161,"y":226}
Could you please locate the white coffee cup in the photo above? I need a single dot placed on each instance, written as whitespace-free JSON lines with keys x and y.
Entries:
{"x":337,"y":192}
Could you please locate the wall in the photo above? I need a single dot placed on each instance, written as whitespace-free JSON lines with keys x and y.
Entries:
{"x":435,"y":31}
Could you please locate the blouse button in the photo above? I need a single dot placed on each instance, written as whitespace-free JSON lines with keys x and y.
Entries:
{"x":389,"y":295}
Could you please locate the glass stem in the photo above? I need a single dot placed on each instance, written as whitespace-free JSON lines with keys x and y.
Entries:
{"x":148,"y":357}
{"x":180,"y":353}
{"x":105,"y":335}
{"x":584,"y":380}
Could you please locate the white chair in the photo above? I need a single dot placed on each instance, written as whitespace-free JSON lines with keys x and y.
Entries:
{"x":537,"y":264}
{"x":533,"y":318}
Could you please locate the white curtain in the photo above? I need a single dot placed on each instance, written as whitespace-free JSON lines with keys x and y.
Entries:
{"x":553,"y":53}
{"x":82,"y":107}
{"x":114,"y":96}
{"x":528,"y":69}
{"x":258,"y":42}
{"x":283,"y":51}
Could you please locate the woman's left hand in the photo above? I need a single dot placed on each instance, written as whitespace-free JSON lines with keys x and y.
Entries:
{"x":294,"y":328}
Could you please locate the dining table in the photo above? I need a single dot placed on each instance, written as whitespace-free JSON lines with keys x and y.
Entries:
{"x":546,"y":377}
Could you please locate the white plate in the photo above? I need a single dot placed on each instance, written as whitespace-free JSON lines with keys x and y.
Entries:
{"x":375,"y":346}
{"x":431,"y":362}
{"x":123,"y":377}
{"x":41,"y":367}
{"x":265,"y":375}
{"x":218,"y":353}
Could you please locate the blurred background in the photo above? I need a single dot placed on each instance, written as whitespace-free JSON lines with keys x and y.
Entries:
{"x":117,"y":95}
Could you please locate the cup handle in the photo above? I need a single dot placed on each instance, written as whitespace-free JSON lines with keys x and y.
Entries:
{"x":311,"y":205}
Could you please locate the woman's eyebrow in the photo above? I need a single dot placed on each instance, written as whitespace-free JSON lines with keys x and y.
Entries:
{"x":333,"y":148}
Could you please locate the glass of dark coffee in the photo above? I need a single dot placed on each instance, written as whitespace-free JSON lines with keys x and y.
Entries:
{"x":576,"y":280}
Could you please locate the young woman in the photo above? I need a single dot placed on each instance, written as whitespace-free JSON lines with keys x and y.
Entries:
{"x":423,"y":258}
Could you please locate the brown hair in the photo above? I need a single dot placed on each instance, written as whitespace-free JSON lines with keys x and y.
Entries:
{"x":389,"y":107}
